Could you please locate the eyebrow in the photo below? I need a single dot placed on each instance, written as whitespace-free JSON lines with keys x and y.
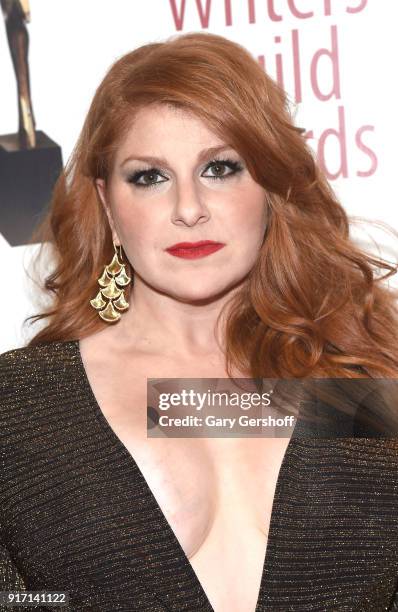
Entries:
{"x":163,"y":162}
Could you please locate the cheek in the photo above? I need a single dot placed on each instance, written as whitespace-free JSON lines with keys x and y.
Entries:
{"x":136,"y":223}
{"x":145,"y":238}
{"x":248,"y":210}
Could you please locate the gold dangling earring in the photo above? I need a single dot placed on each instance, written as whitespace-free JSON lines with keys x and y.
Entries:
{"x":114,"y":274}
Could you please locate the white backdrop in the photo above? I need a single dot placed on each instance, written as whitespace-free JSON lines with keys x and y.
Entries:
{"x":334,"y":57}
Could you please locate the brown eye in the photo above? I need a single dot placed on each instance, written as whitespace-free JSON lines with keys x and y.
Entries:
{"x":147,"y":178}
{"x":218,"y":168}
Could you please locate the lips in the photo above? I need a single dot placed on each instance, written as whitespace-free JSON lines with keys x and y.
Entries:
{"x":193,"y":250}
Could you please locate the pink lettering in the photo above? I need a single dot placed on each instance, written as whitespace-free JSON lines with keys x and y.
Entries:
{"x":261,"y":61}
{"x":340,"y":134}
{"x":357,"y":9}
{"x":178,"y":16}
{"x":328,"y":8}
{"x":295,"y":7}
{"x":371,"y":154}
{"x":271,"y":12}
{"x":296,"y":66}
{"x":252,"y":11}
{"x":279,"y":64}
{"x":294,"y":10}
{"x":334,"y":57}
{"x":228,"y":12}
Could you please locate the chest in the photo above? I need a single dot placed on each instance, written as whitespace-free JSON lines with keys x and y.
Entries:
{"x":205,"y":487}
{"x":215,"y":493}
{"x":208,"y":488}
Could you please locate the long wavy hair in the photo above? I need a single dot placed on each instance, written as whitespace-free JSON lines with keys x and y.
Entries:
{"x":313,"y":304}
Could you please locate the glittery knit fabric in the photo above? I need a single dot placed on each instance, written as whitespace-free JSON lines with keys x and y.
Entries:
{"x":77,"y":514}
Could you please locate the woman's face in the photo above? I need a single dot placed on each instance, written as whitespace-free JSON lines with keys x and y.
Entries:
{"x":175,"y":181}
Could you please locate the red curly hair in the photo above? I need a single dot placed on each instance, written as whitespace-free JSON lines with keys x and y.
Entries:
{"x":312,"y":305}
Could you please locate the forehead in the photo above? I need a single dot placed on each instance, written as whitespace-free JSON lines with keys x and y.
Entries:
{"x":160,"y":127}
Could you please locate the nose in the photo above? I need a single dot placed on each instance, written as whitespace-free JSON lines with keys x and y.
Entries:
{"x":189,"y":206}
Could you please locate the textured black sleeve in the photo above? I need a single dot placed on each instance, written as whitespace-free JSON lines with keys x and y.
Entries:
{"x":10,"y":578}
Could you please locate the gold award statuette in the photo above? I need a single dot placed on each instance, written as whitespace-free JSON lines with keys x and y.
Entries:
{"x":16,"y":14}
{"x":30,"y":162}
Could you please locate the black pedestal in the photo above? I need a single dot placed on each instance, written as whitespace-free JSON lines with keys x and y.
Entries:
{"x":27,"y":178}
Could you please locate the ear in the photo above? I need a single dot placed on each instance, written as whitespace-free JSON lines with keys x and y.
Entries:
{"x":101,"y":190}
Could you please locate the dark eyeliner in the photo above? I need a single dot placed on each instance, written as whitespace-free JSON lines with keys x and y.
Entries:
{"x":135,"y":176}
{"x":229,"y":163}
{"x":235,"y":166}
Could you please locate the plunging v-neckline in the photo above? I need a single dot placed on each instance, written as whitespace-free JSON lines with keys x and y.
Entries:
{"x":120,"y":447}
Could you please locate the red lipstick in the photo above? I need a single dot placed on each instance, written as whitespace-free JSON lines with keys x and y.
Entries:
{"x":193,"y":250}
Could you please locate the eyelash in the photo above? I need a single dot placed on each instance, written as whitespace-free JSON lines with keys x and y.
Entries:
{"x":233,"y":165}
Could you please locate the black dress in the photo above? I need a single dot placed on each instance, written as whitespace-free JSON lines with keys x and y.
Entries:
{"x":77,"y":514}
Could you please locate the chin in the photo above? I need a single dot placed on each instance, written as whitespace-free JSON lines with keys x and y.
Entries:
{"x":201,"y":294}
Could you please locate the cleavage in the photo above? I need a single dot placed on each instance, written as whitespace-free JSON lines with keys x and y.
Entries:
{"x":209,"y":492}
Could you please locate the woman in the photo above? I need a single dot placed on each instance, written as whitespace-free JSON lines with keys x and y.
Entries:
{"x":189,"y":141}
